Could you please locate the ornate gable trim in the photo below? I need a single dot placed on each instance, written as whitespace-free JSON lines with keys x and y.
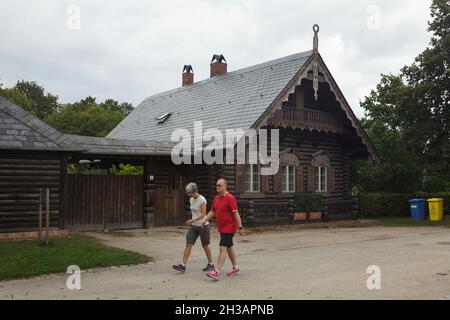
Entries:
{"x":317,"y":66}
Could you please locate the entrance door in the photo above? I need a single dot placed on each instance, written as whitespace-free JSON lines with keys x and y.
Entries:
{"x":169,"y":206}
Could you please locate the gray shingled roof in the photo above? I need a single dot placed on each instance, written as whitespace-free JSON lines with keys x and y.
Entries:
{"x":94,"y":145}
{"x":231,"y":101}
{"x":21,"y":130}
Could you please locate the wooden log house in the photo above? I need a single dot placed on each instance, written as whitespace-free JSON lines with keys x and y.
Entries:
{"x":319,"y":133}
{"x":319,"y":137}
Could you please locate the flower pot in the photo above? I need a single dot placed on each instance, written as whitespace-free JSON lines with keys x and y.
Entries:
{"x":300,"y":216}
{"x":315,"y":215}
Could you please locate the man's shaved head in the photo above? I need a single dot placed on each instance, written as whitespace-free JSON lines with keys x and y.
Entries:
{"x":221,"y":186}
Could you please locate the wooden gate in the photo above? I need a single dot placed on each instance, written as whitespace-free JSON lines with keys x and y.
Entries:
{"x":169,"y":206}
{"x":103,"y":202}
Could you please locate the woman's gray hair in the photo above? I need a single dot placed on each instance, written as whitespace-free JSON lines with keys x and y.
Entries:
{"x":192,"y":188}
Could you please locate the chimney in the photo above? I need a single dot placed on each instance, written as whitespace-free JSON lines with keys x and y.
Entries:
{"x":218,"y":65}
{"x":188,"y":75}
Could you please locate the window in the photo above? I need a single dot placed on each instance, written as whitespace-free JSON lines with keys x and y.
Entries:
{"x":163,"y":118}
{"x":321,"y":179}
{"x":251,"y":178}
{"x":288,"y":179}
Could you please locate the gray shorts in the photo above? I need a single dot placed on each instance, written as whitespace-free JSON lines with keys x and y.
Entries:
{"x":194,"y":232}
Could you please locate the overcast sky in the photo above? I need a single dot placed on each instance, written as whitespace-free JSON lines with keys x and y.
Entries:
{"x":129,"y":50}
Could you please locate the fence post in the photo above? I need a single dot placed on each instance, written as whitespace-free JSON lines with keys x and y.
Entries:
{"x":149,"y":216}
{"x":355,"y":207}
{"x":291,"y":210}
{"x":251,"y":213}
{"x":149,"y":221}
{"x":40,"y":214}
{"x":47,"y":222}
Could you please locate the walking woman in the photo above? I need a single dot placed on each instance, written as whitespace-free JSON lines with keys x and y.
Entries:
{"x":198,"y":229}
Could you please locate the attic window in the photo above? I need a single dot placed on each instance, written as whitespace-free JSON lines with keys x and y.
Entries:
{"x":163,"y":118}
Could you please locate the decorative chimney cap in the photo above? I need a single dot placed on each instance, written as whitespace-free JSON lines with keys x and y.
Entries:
{"x":188,"y":68}
{"x":218,"y":58}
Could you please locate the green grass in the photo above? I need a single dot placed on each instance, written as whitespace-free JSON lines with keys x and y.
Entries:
{"x":405,"y":222}
{"x":22,"y":259}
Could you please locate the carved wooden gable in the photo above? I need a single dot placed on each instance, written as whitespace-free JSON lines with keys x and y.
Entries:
{"x":316,"y":70}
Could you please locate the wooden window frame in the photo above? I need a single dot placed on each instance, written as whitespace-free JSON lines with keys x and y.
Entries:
{"x":252,"y":178}
{"x":318,"y":176}
{"x":287,"y":177}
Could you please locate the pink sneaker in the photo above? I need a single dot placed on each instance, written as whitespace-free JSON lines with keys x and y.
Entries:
{"x":234,"y":272}
{"x":214,"y":274}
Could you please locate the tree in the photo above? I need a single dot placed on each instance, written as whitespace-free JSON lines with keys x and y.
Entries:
{"x":88,"y":118}
{"x":42,"y":104}
{"x":428,"y":113}
{"x":85,"y":117}
{"x":112,"y":105}
{"x":407,"y":118}
{"x":16,"y":97}
{"x":399,"y":171}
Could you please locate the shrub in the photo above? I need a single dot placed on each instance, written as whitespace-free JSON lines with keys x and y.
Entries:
{"x":384,"y":204}
{"x":309,"y":202}
{"x":120,"y":170}
{"x":126,"y":170}
{"x":377,"y":205}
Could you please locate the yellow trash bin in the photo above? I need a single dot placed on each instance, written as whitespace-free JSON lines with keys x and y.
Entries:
{"x":436,"y":208}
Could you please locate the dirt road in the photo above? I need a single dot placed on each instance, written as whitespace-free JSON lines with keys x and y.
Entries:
{"x":284,"y":264}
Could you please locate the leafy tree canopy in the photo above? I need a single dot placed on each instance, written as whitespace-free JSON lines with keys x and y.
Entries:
{"x":407,"y":118}
{"x":89,"y":118}
{"x":42,"y":104}
{"x":85,"y":117}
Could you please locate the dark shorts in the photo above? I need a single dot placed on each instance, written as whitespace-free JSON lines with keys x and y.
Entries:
{"x":226,"y":240}
{"x":195,"y":232}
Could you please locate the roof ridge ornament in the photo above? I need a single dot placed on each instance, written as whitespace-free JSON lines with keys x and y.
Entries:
{"x":316,"y":29}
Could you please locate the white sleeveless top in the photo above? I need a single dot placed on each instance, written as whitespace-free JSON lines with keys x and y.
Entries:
{"x":195,"y":209}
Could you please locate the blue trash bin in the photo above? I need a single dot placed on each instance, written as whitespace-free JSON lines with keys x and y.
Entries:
{"x":417,"y":209}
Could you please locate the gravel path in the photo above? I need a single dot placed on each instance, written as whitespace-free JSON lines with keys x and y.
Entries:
{"x":276,"y":264}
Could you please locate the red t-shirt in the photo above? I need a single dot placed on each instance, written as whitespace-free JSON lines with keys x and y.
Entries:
{"x":223,"y":208}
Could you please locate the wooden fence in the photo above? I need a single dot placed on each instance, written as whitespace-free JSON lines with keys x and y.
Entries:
{"x":103,"y":202}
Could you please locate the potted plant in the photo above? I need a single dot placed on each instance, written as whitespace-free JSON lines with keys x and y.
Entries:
{"x":308,"y":206}
{"x":317,"y":206}
{"x":301,"y":203}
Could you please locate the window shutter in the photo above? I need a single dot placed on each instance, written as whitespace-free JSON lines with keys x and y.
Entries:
{"x":264,"y":183}
{"x":330,"y":179}
{"x":299,"y":179}
{"x":277,"y":181}
{"x":311,"y":179}
{"x":240,"y":178}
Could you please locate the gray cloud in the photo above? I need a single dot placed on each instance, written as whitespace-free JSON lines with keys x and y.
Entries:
{"x":130,"y":50}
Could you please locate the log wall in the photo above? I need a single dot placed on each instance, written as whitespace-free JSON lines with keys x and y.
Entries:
{"x":21,"y":176}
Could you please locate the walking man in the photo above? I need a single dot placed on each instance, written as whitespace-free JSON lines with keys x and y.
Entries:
{"x":199,"y":228}
{"x":228,"y":220}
